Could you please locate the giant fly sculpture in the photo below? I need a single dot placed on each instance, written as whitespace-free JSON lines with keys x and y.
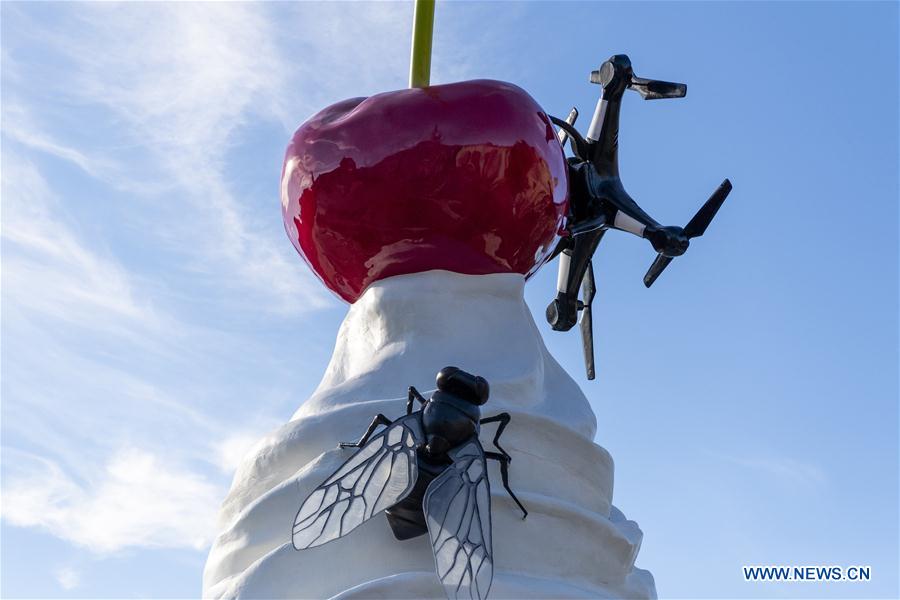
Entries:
{"x":427,"y":472}
{"x":599,"y":202}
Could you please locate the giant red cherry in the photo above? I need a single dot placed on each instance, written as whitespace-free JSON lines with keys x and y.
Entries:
{"x":466,"y":177}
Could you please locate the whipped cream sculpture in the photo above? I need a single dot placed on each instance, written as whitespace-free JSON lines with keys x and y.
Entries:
{"x":427,"y":209}
{"x":427,"y":471}
{"x":574,"y":544}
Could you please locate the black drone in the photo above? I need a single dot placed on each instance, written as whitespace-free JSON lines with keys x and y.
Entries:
{"x":598,"y":201}
{"x":427,"y":472}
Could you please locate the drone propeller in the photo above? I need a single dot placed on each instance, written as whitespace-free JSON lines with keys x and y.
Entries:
{"x":587,"y":327}
{"x":651,"y":89}
{"x":695,"y":228}
{"x":659,"y":264}
{"x":561,"y":134}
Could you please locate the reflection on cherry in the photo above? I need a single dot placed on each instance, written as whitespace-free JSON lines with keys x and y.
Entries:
{"x":465,"y":177}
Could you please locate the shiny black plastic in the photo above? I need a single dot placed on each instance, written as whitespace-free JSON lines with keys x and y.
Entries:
{"x":449,"y":418}
{"x":598,"y":200}
{"x":427,"y":472}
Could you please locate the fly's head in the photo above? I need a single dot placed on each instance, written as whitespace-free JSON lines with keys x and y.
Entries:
{"x":452,"y":414}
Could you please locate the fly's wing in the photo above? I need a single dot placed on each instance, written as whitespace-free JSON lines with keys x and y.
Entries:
{"x":379,"y":475}
{"x":458,"y":512}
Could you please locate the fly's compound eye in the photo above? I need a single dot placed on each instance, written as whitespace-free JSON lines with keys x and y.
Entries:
{"x":444,"y":378}
{"x":454,"y":380}
{"x":482,"y":390}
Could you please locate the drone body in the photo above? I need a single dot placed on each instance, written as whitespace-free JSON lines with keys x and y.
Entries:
{"x":427,"y":472}
{"x":598,"y":201}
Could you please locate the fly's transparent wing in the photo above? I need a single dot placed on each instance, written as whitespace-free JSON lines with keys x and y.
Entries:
{"x":379,"y":475}
{"x":458,"y":512}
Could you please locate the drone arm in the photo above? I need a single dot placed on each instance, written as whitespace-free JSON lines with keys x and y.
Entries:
{"x":600,"y":202}
{"x":625,"y":222}
{"x":670,"y":241}
{"x":628,"y":216}
{"x":619,"y":209}
{"x":616,"y":76}
{"x":603,"y":135}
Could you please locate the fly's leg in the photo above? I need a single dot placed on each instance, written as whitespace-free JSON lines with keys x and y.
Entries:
{"x":503,"y":456}
{"x":379,"y":419}
{"x":504,"y":473}
{"x":503,"y":419}
{"x":413,"y":395}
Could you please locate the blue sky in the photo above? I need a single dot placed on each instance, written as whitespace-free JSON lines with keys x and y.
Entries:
{"x":156,"y":321}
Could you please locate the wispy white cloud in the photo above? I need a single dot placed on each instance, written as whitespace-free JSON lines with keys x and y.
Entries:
{"x":234,"y":447}
{"x":68,"y":578}
{"x":120,"y":395}
{"x":170,"y":87}
{"x":782,"y":468}
{"x":47,"y":269}
{"x":19,"y":126}
{"x":153,"y":99}
{"x":68,"y":311}
{"x":139,"y":500}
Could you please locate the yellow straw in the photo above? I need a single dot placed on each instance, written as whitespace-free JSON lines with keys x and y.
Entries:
{"x":420,"y":57}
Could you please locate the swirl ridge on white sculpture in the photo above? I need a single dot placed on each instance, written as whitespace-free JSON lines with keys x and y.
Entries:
{"x":574,"y":543}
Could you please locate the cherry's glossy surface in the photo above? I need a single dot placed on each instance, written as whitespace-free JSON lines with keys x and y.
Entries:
{"x":466,"y":177}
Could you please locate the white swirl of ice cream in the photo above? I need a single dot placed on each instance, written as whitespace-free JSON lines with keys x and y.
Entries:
{"x":574,"y":543}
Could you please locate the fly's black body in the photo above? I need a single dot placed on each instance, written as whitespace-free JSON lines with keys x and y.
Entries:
{"x":449,"y":418}
{"x":427,"y":472}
